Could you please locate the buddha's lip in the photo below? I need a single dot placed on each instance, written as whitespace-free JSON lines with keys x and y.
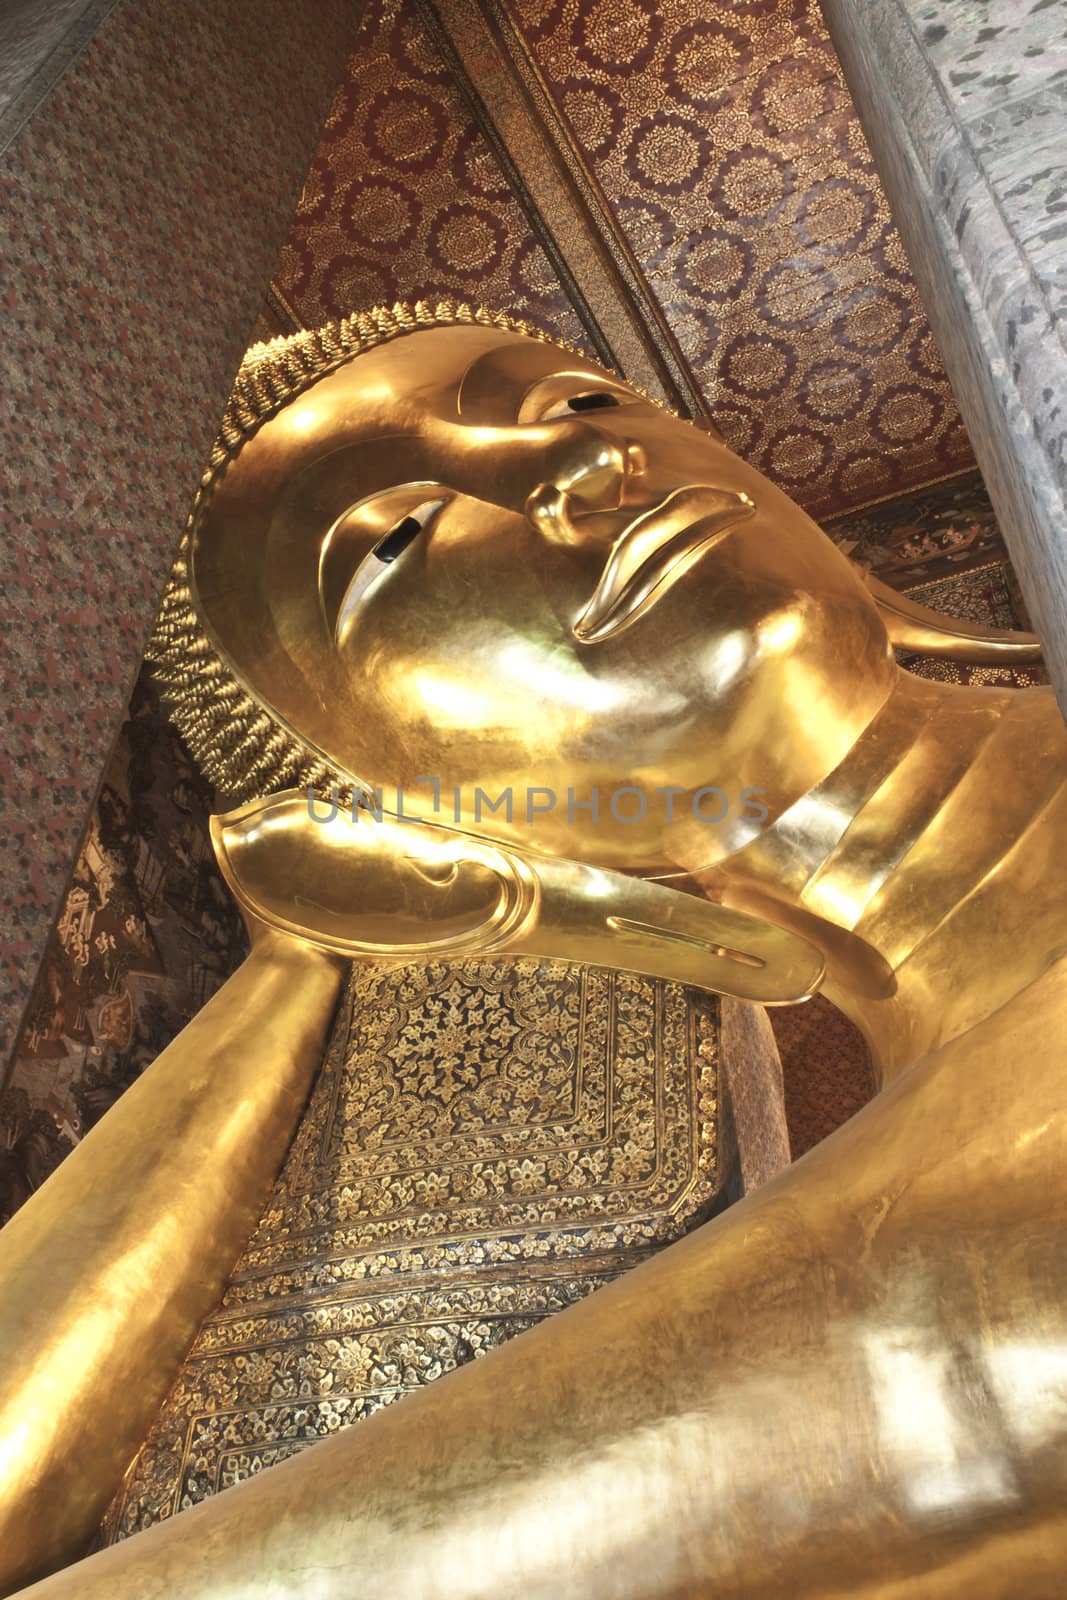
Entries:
{"x":653,"y":551}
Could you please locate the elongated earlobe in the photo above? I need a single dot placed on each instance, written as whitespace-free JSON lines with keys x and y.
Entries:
{"x":912,"y":626}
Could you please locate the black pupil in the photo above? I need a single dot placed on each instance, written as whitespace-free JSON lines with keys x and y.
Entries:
{"x":398,"y":539}
{"x":591,"y":402}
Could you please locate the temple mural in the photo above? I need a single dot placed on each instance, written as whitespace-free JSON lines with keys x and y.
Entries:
{"x":147,"y":933}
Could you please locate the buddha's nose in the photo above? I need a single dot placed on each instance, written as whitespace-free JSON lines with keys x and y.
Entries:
{"x":586,"y":470}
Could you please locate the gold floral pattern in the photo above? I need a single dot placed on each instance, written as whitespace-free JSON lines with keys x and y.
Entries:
{"x":486,"y":1144}
{"x":725,"y":143}
{"x":405,"y":199}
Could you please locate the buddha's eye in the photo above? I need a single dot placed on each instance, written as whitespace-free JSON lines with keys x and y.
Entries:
{"x":399,"y":538}
{"x":594,"y":400}
{"x":380,"y":558}
{"x":403,"y":532}
{"x":573,"y":394}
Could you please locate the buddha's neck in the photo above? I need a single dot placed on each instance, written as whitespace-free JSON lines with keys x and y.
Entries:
{"x":925,"y":864}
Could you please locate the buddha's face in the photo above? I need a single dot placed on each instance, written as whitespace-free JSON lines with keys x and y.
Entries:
{"x":469,"y":560}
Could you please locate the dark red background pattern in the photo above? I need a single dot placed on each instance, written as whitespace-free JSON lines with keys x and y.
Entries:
{"x":405,"y":200}
{"x":725,"y":138}
{"x":729,"y":149}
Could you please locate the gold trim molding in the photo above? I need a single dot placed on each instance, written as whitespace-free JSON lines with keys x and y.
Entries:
{"x":561,"y":198}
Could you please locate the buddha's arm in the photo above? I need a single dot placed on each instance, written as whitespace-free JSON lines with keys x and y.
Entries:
{"x":854,"y":1383}
{"x":107,"y":1271}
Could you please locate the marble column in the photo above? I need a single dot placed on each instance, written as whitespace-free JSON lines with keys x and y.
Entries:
{"x":151,"y":155}
{"x":964,"y":103}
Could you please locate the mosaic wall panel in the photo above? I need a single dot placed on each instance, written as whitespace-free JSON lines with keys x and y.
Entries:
{"x":405,"y":199}
{"x":485,"y":1145}
{"x":147,"y":933}
{"x":725,"y":141}
{"x":142,"y":204}
{"x":930,"y":533}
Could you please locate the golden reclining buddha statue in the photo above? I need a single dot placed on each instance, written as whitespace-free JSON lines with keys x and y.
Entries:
{"x":491,"y":656}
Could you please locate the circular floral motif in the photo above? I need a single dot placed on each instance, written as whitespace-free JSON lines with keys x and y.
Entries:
{"x":536,"y":276}
{"x":414,"y":44}
{"x":404,"y":128}
{"x":618,"y":36}
{"x":476,"y":169}
{"x":887,"y":247}
{"x":751,"y":184}
{"x":690,"y":328}
{"x":906,"y":414}
{"x":737,"y":427}
{"x":466,"y":240}
{"x":297,"y":266}
{"x":797,"y":455}
{"x":594,"y":117}
{"x":759,"y":363}
{"x":793,"y":296}
{"x":380,"y":214}
{"x":714,"y":264}
{"x":790,"y":97}
{"x":348,"y":284}
{"x":703,"y":58}
{"x":873,"y":320}
{"x":538,"y":17}
{"x":924,"y":356}
{"x":836,"y":214}
{"x":348,"y":106}
{"x":834,"y":390}
{"x":862,"y":477}
{"x":666,"y":152}
{"x":647,"y":227}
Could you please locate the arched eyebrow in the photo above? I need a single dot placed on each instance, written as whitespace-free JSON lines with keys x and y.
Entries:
{"x":495,"y":384}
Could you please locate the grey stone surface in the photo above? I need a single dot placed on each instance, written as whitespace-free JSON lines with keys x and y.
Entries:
{"x":965,"y":106}
{"x":38,"y":41}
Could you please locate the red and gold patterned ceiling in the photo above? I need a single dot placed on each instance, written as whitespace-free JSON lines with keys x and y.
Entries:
{"x":705,"y":158}
{"x":405,"y":200}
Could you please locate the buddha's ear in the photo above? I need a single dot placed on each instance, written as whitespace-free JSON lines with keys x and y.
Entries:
{"x":408,"y":891}
{"x":912,"y":626}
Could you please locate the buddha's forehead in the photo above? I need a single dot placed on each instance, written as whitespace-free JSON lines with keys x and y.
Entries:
{"x":461,"y":373}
